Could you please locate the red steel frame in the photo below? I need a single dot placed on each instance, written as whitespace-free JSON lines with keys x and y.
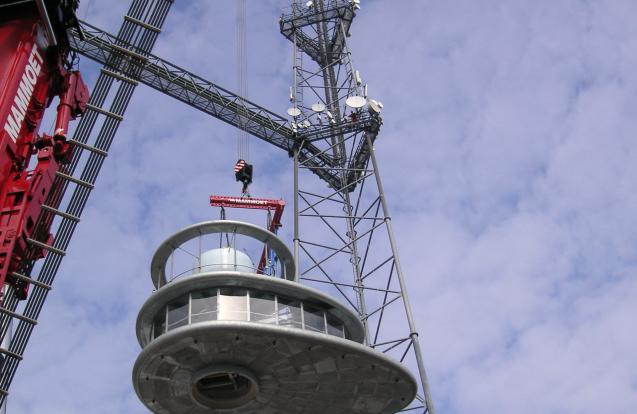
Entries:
{"x":268,"y":204}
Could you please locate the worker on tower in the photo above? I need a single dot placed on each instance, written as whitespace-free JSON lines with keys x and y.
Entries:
{"x":243,"y":173}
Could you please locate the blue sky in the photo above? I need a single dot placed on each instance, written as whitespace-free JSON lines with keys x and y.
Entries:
{"x":517,"y":225}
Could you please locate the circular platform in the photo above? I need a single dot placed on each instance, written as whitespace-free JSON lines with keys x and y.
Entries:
{"x":255,"y":368}
{"x":222,"y":340}
{"x":215,"y":296}
{"x":163,"y":253}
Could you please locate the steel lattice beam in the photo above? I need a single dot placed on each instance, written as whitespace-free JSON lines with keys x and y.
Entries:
{"x":348,"y":226}
{"x":341,"y":11}
{"x":212,"y":99}
{"x":185,"y":86}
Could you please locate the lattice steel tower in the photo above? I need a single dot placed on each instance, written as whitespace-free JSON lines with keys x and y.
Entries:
{"x":331,"y":110}
{"x":343,"y":238}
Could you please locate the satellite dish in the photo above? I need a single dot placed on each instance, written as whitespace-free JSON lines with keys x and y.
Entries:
{"x":318,"y":107}
{"x":294,"y":111}
{"x":356,"y":102}
{"x":374,"y":106}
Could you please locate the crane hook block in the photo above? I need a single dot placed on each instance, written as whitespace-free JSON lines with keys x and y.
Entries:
{"x":243,"y":173}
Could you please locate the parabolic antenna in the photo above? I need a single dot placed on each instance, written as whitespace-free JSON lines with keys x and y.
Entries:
{"x":294,"y":111}
{"x":374,"y":106}
{"x":318,"y":107}
{"x":356,"y":102}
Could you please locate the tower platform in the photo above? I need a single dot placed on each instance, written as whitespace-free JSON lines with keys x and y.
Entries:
{"x":223,"y":339}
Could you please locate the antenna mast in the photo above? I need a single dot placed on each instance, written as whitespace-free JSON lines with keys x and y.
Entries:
{"x":347,"y":224}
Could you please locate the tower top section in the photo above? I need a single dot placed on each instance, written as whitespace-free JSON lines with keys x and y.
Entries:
{"x":162,"y":260}
{"x":228,"y":338}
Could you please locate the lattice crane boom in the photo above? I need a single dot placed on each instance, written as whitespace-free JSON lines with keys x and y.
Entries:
{"x":124,"y":61}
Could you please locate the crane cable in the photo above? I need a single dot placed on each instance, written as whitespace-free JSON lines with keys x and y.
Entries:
{"x":243,"y":143}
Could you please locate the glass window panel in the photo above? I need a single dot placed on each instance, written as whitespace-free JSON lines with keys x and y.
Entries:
{"x":314,"y":318}
{"x":204,"y":306}
{"x":233,"y":292}
{"x":178,"y":313}
{"x":159,"y":325}
{"x":233,"y":305}
{"x":335,"y":327}
{"x":262,"y":308}
{"x":290,"y":313}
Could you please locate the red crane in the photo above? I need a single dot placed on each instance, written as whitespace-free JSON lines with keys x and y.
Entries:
{"x":34,"y":52}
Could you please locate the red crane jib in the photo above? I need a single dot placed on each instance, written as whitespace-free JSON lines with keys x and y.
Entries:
{"x":254,"y":204}
{"x":32,"y":74}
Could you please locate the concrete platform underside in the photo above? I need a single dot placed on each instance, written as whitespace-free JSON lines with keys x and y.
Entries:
{"x":297,"y":372}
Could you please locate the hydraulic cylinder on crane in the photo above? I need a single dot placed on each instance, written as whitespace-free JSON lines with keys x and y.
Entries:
{"x":34,"y":69}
